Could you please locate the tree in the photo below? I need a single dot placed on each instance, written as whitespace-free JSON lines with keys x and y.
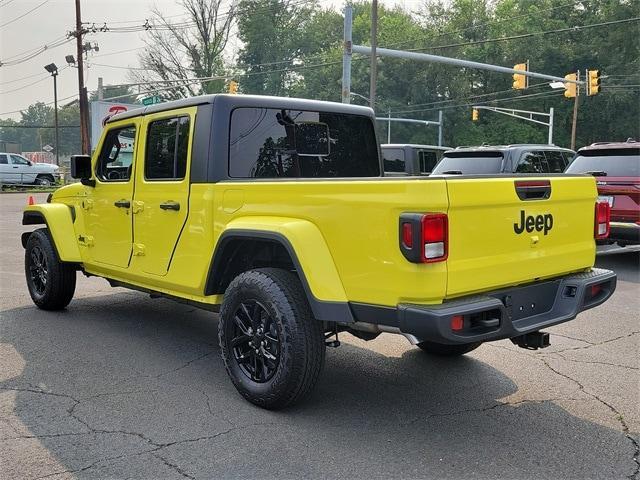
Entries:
{"x":192,"y":48}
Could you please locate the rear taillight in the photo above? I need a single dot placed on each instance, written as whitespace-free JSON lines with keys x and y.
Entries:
{"x":602,"y":218}
{"x":424,"y":237}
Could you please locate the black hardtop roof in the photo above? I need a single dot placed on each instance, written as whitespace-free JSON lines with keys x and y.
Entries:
{"x":515,"y":146}
{"x":256,"y":101}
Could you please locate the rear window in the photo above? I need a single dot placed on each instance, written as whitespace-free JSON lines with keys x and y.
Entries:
{"x":277,"y":143}
{"x":615,"y":163}
{"x":469,"y":163}
{"x":394,"y":160}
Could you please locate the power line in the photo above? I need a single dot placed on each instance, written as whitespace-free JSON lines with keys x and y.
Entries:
{"x":32,"y":83}
{"x":47,"y":104}
{"x":526,"y":35}
{"x":24,"y":14}
{"x":39,"y":74}
{"x":29,"y":54}
{"x":496,"y":100}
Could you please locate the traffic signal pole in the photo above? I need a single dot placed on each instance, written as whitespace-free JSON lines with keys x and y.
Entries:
{"x":574,"y":124}
{"x":349,"y":49}
{"x":526,"y":115}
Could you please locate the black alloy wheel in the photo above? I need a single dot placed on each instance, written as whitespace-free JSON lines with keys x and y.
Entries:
{"x":38,"y":269}
{"x":255,"y":341}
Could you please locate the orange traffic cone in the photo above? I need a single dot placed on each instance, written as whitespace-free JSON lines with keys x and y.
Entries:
{"x":31,"y":200}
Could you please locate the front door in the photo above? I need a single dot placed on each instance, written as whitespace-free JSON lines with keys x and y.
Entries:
{"x":108,"y":211}
{"x":161,"y":199}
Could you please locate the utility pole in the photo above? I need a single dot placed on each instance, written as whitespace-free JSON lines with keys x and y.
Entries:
{"x":100,"y":88}
{"x":82,"y":90}
{"x":346,"y":55}
{"x":575,"y":114}
{"x":53,"y":70}
{"x":374,"y":59}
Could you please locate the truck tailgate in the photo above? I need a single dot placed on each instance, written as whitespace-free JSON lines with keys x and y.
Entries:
{"x":500,"y":235}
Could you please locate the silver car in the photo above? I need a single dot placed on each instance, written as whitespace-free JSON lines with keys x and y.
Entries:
{"x":17,"y":170}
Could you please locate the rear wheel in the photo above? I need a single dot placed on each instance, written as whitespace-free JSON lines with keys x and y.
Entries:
{"x":448,"y":350}
{"x":51,"y":282}
{"x":272,"y":347}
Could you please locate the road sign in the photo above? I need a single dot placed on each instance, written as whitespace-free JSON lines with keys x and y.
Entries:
{"x":47,"y":148}
{"x":151,"y":100}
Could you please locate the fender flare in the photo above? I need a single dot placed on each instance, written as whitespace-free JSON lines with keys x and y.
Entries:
{"x":309,"y":254}
{"x":59,"y":219}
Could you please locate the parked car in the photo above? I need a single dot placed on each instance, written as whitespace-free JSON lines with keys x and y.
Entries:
{"x":275,"y":212}
{"x":17,"y":170}
{"x":616,"y":166}
{"x":519,"y":158}
{"x":410,"y":159}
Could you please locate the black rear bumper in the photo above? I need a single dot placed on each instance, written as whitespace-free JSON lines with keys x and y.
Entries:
{"x":497,"y":315}
{"x":627,"y":233}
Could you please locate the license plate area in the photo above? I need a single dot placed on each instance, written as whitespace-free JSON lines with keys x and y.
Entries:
{"x":530,"y":300}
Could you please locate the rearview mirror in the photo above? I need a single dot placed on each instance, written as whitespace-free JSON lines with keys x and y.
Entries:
{"x":81,"y":168}
{"x":312,"y":139}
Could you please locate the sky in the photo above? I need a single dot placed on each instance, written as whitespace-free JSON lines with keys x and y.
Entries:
{"x":51,"y":20}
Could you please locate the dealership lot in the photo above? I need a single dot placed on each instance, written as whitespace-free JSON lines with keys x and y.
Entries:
{"x":120,"y":385}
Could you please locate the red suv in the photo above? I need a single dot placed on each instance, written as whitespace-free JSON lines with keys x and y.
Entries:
{"x":616,"y":167}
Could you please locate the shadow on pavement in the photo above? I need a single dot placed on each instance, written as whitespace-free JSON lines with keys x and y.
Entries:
{"x":123,"y":386}
{"x":625,"y":264}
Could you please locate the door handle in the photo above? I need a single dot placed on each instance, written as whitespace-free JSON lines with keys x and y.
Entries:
{"x":122,"y":203}
{"x":170,"y":205}
{"x":15,"y":166}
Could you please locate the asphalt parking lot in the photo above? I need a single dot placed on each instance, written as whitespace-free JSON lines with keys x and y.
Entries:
{"x":123,"y":386}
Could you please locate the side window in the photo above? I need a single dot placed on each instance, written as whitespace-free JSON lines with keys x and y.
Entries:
{"x":556,"y":161}
{"x":166,"y":152}
{"x":116,"y":156}
{"x":427,"y":160}
{"x":280,"y":143}
{"x":532,"y":162}
{"x":3,"y":160}
{"x":393,"y":159}
{"x":18,"y":160}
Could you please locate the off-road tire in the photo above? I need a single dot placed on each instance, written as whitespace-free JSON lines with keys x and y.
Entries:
{"x":301,"y":338}
{"x":59,"y":284}
{"x":44,"y":180}
{"x":448,"y":350}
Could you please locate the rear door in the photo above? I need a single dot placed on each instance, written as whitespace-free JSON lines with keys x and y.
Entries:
{"x":161,"y":200}
{"x":503,"y":233}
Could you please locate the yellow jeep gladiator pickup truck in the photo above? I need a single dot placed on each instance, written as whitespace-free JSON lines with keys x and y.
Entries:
{"x":275,"y":212}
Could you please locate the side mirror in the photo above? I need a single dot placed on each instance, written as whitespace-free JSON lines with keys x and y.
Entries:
{"x":81,"y":168}
{"x":30,"y":163}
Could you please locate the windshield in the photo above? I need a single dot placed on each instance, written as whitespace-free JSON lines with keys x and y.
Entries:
{"x":624,"y":163}
{"x":469,"y":163}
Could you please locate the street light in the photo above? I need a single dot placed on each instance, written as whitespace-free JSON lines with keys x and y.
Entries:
{"x":53,"y":70}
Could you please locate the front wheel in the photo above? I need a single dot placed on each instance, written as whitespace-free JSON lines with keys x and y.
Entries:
{"x":51,"y":283}
{"x":448,"y":350}
{"x":272,"y":347}
{"x":44,"y":180}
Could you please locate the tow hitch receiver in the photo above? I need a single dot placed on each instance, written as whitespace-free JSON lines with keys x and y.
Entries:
{"x":532,"y":341}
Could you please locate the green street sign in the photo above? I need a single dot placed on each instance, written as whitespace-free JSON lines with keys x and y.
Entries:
{"x":151,"y":100}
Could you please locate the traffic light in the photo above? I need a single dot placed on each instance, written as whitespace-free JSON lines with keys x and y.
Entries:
{"x":519,"y":80}
{"x":570,"y":89}
{"x":593,"y":82}
{"x":475,"y":114}
{"x":233,"y":87}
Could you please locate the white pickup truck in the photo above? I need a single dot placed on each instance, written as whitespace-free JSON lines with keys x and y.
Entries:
{"x":17,"y":170}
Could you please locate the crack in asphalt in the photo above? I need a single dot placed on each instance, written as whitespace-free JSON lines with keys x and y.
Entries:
{"x":593,"y":362}
{"x":604,"y":342}
{"x":174,"y":467}
{"x":625,"y":428}
{"x":486,"y":409}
